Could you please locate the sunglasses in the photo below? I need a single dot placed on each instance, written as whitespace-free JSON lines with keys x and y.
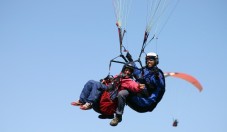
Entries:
{"x":151,"y":58}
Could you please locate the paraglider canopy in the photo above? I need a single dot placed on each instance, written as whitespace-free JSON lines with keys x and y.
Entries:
{"x":185,"y":77}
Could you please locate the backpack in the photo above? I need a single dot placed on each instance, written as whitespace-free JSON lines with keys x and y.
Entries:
{"x":107,"y":105}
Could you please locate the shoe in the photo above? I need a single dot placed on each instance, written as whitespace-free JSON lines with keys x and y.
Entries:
{"x":116,"y":120}
{"x":86,"y":106}
{"x":76,"y":103}
{"x":106,"y":116}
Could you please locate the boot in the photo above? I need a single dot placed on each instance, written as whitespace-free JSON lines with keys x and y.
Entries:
{"x":116,"y":120}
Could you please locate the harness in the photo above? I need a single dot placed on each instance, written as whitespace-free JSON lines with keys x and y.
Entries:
{"x":150,"y":87}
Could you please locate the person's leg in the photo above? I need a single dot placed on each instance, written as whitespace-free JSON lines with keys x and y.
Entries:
{"x":86,"y":91}
{"x":122,"y":95}
{"x":92,"y":92}
{"x":96,"y":90}
{"x":84,"y":94}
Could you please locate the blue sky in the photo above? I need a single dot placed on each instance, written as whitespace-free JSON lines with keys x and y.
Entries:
{"x":49,"y":49}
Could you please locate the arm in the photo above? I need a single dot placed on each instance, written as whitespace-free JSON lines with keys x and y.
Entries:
{"x":156,"y":96}
{"x":131,"y":85}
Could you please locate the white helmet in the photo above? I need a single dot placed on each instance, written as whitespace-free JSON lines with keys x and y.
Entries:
{"x":152,"y":55}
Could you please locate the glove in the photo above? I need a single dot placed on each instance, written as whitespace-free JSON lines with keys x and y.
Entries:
{"x":109,"y":77}
{"x":129,"y":57}
{"x":141,"y":80}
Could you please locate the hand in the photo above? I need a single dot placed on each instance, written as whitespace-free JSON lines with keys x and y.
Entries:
{"x":141,"y":86}
{"x":103,"y":81}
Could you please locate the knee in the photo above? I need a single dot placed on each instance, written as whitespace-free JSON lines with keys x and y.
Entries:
{"x":123,"y":94}
{"x":91,"y":81}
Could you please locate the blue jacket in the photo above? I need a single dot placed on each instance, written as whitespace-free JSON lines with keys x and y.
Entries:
{"x":153,"y":92}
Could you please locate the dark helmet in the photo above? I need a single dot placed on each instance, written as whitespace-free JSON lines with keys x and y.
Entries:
{"x":152,"y":56}
{"x":129,"y":66}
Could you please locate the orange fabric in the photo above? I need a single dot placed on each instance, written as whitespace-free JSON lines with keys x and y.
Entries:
{"x":186,"y":77}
